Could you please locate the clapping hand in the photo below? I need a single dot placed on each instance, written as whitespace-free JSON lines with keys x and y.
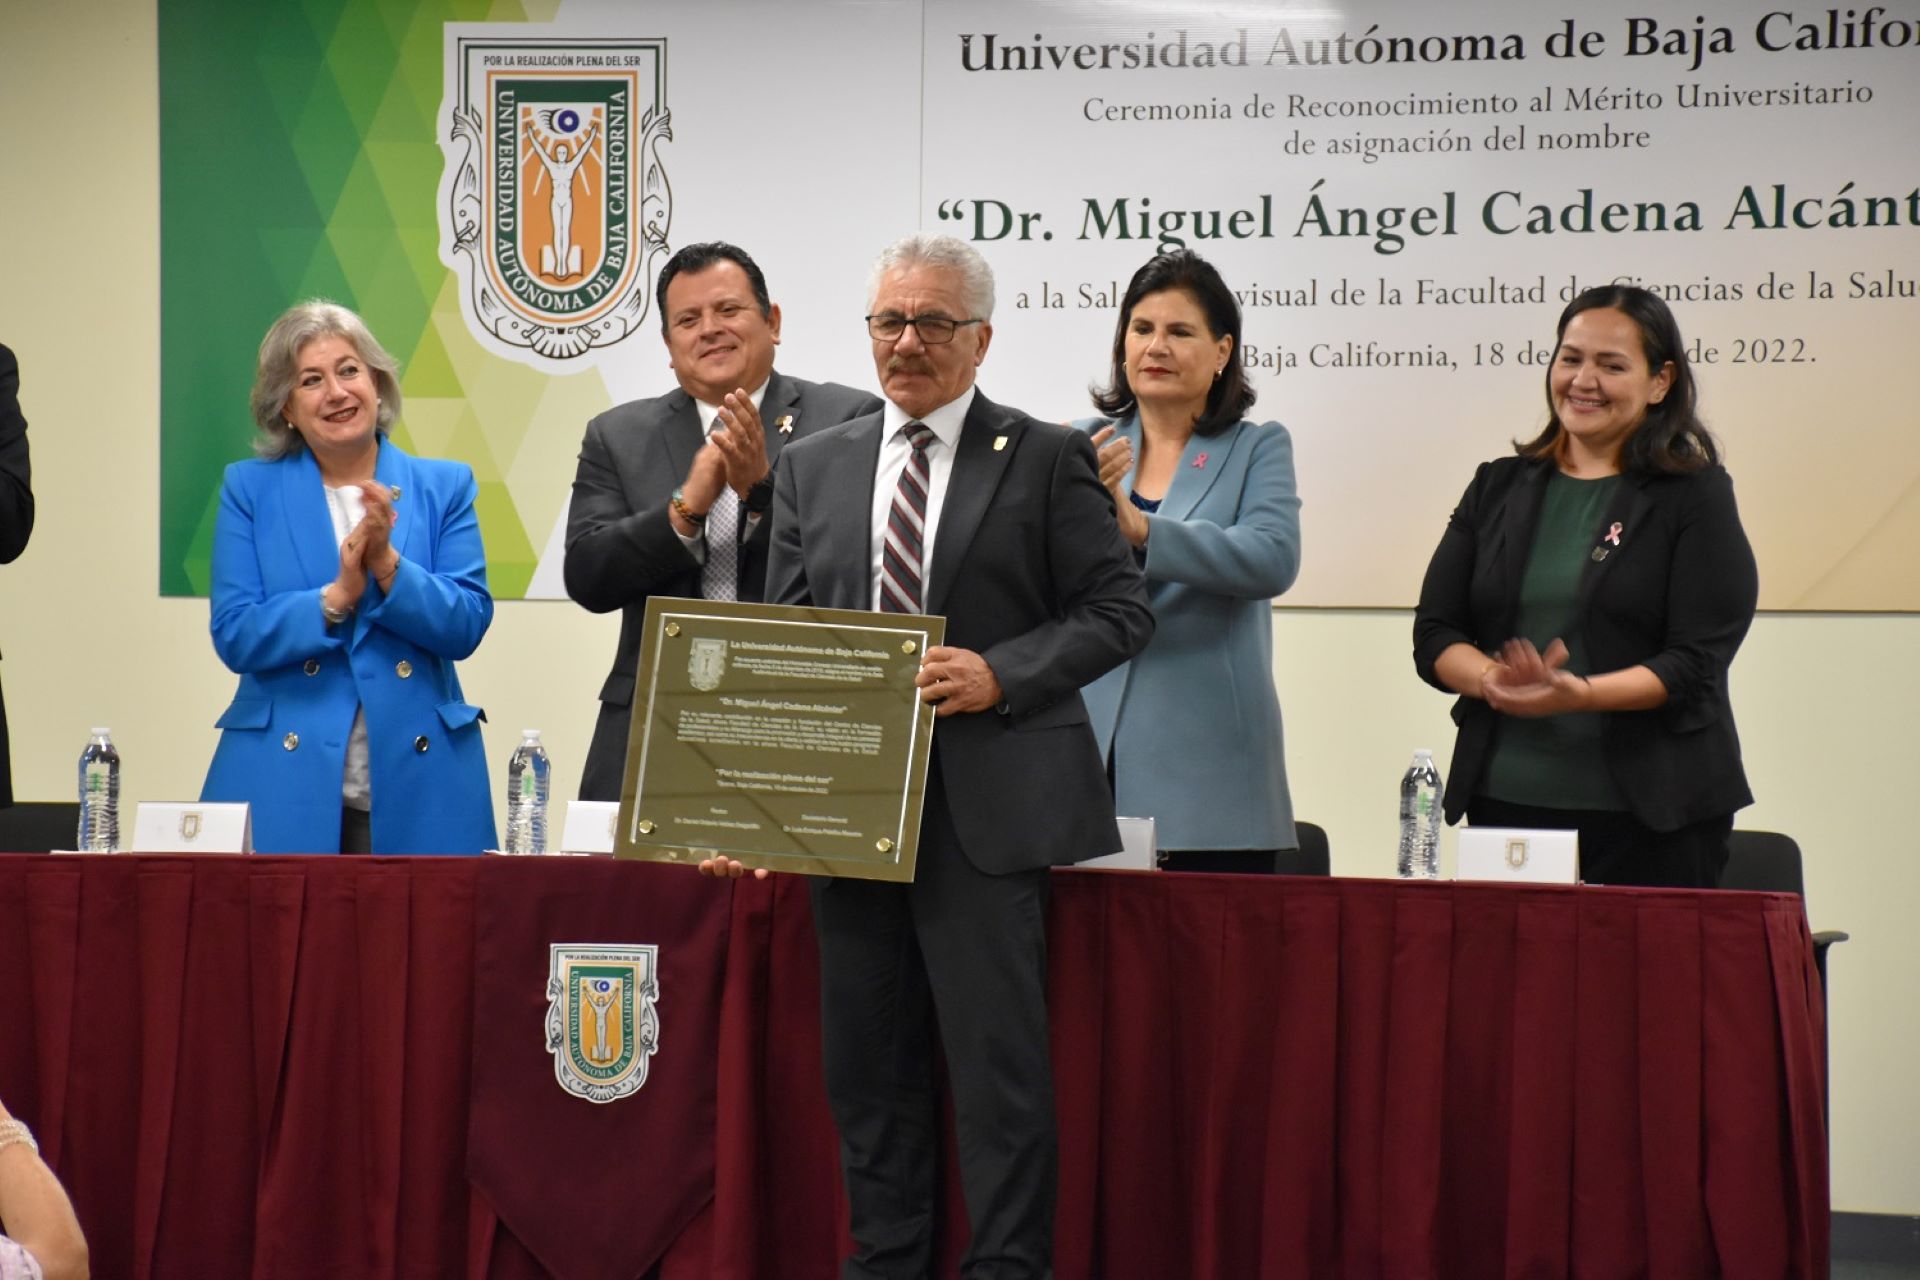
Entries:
{"x":705,"y":479}
{"x":351,"y":582}
{"x":367,"y":549}
{"x":374,"y":533}
{"x":743,"y":443}
{"x":1116,"y":460}
{"x":1528,"y":683}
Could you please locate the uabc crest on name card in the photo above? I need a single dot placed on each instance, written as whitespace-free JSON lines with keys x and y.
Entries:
{"x":554,"y":205}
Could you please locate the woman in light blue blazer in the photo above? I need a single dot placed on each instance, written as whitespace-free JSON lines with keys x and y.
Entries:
{"x":1191,"y":726}
{"x":347,"y":578}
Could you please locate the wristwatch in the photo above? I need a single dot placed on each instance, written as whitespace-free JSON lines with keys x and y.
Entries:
{"x":333,"y":616}
{"x":759,"y":499}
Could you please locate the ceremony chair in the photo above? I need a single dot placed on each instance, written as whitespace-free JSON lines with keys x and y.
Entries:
{"x":1769,"y":862}
{"x":1311,"y":858}
{"x":39,"y":826}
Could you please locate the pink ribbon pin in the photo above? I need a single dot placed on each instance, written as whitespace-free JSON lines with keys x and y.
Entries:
{"x":1613,"y":534}
{"x":1199,"y":460}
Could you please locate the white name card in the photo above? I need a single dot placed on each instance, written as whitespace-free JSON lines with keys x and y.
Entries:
{"x":192,"y":828}
{"x":1516,"y":853}
{"x":590,"y":826}
{"x":1139,"y":848}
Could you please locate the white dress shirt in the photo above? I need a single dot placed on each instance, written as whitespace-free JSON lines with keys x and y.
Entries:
{"x":945,"y":422}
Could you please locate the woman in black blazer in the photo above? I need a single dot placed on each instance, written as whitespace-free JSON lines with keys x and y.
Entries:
{"x":1585,"y":602}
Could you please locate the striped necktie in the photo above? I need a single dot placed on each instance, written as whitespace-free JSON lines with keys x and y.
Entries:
{"x":900,"y":555}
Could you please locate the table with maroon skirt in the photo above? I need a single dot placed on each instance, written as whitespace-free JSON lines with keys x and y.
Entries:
{"x":337,"y":1067}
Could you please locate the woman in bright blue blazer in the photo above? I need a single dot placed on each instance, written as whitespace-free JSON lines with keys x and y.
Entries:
{"x":1191,"y":726}
{"x":347,"y":579}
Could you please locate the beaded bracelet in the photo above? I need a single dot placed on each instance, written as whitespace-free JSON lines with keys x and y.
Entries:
{"x":679,"y":503}
{"x":12,"y":1131}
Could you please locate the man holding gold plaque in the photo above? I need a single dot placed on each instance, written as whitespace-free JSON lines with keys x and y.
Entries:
{"x":945,"y":503}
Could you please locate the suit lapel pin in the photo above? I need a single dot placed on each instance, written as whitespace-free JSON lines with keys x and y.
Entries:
{"x":999,"y":443}
{"x":1613,"y":534}
{"x":784,"y":424}
{"x":394,"y":493}
{"x":1199,"y":461}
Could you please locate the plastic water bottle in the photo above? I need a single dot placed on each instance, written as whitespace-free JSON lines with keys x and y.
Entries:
{"x":1420,"y":819}
{"x":528,"y":775}
{"x":99,"y":795}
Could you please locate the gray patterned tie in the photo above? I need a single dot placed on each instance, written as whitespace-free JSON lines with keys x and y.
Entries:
{"x":720,"y":578}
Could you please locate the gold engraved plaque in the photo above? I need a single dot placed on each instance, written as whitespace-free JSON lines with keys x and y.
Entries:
{"x":783,"y":737}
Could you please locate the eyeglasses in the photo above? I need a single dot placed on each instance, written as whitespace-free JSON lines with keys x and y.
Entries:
{"x":935,"y":331}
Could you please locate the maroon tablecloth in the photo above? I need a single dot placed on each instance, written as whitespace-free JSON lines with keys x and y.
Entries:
{"x":334,"y":1067}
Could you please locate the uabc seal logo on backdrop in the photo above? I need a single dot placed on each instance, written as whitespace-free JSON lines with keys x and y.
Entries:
{"x":554,"y":205}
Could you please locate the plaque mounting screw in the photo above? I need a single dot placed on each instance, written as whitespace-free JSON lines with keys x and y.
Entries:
{"x":908,"y":646}
{"x":673,"y":628}
{"x":883,"y":844}
{"x":646,"y":826}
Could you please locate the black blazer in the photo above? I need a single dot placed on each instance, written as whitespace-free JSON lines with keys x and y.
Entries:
{"x":1676,"y":594}
{"x":16,"y":510}
{"x":1031,"y":573}
{"x":621,"y":547}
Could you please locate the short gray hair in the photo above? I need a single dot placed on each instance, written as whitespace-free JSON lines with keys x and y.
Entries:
{"x":279,"y":364}
{"x":946,"y":253}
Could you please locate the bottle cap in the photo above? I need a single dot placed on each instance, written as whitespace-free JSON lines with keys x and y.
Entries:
{"x":100,"y":733}
{"x":530,"y":733}
{"x":1423,"y":753}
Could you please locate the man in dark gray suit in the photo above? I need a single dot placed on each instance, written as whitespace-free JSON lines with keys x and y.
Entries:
{"x":16,"y":511}
{"x":671,"y":494}
{"x":946,"y":503}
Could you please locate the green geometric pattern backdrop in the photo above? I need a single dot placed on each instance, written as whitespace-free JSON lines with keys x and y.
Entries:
{"x":299,"y":158}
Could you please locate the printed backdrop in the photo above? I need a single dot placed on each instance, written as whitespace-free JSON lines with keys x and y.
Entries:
{"x":1404,"y":195}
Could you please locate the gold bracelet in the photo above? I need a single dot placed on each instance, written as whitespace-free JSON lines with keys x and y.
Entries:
{"x":16,"y":1131}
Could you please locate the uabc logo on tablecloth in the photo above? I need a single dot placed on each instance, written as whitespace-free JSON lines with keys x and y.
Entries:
{"x":554,"y":205}
{"x":602,"y":1027}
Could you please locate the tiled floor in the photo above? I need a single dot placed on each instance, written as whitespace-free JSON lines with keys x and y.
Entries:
{"x":1892,"y":1244}
{"x":1843,"y":1270}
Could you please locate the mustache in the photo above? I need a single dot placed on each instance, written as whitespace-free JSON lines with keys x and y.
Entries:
{"x":909,"y":364}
